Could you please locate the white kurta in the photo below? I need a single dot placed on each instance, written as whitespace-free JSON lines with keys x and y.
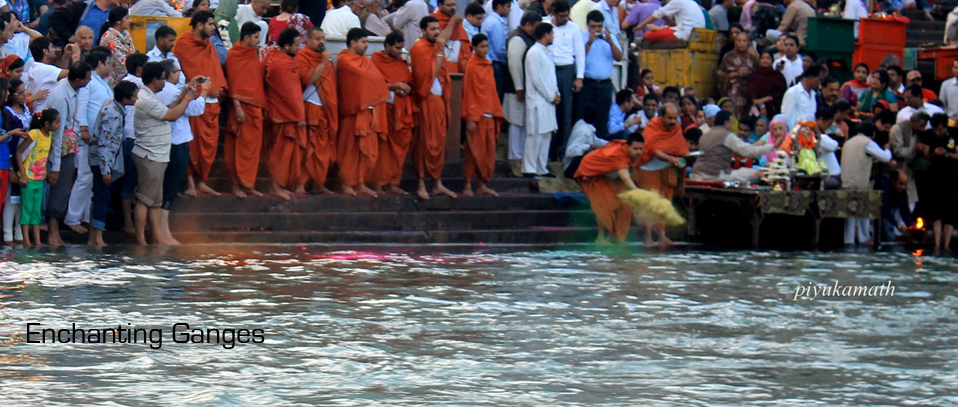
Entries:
{"x":515,"y":110}
{"x":541,"y":90}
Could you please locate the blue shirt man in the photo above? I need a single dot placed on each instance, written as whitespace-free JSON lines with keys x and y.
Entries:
{"x":495,"y":27}
{"x":96,"y":14}
{"x":598,"y":58}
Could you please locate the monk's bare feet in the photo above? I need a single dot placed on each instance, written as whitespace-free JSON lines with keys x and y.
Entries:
{"x":395,"y":189}
{"x":190,"y":187}
{"x":77,"y":228}
{"x":378,"y":190}
{"x":442,"y":190}
{"x":254,"y":192}
{"x":484,"y":190}
{"x":348,"y":190}
{"x":300,"y":190}
{"x":363,"y":190}
{"x":422,"y":193}
{"x":238,"y":191}
{"x":204,"y":189}
{"x":323,"y":190}
{"x":664,"y":241}
{"x":603,"y":240}
{"x":279,"y":191}
{"x":467,"y":190}
{"x":648,"y":242}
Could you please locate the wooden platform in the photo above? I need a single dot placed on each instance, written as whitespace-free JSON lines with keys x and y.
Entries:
{"x":754,"y":205}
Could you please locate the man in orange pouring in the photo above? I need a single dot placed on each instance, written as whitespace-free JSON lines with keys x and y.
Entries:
{"x":483,"y":115}
{"x":399,"y":114}
{"x":285,"y":113}
{"x":663,"y":169}
{"x":197,"y":57}
{"x":457,"y":42}
{"x":362,"y":113}
{"x":431,"y":92}
{"x":244,"y":130}
{"x":318,"y":79}
{"x":603,"y":174}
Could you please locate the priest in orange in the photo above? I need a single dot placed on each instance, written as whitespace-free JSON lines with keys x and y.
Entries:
{"x":285,"y":113}
{"x":317,"y":76}
{"x":602,"y":175}
{"x":362,"y":113}
{"x":431,"y":92}
{"x":399,"y":114}
{"x":457,"y":44}
{"x":483,"y":115}
{"x":662,"y":167}
{"x":244,"y":129}
{"x":198,"y":57}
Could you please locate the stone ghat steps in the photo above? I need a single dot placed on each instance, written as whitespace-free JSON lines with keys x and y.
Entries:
{"x":533,"y":235}
{"x":450,"y":170}
{"x":384,"y":203}
{"x":501,"y":184}
{"x":918,"y":31}
{"x":259,"y":225}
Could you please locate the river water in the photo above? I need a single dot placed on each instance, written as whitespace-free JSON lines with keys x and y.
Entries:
{"x":481,"y":327}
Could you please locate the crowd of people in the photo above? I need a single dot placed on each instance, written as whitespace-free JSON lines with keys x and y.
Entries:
{"x":81,"y":101}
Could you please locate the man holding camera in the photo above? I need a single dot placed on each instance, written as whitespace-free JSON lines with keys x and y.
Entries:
{"x":601,"y":50}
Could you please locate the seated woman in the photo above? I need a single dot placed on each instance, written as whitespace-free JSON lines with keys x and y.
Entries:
{"x":879,"y":91}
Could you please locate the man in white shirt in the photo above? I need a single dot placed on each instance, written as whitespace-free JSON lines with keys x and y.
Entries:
{"x":686,"y":14}
{"x":650,"y":108}
{"x":799,"y":102}
{"x":43,"y":75}
{"x":568,"y":53}
{"x":914,"y":103}
{"x":949,"y":92}
{"x":790,"y":64}
{"x":826,"y":147}
{"x":253,"y":13}
{"x":339,"y":21}
{"x":407,"y":19}
{"x":165,"y":39}
{"x":582,"y":139}
{"x":542,"y":96}
{"x":89,"y":100}
{"x":473,"y":20}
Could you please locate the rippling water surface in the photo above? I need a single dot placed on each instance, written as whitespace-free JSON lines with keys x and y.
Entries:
{"x":487,"y":327}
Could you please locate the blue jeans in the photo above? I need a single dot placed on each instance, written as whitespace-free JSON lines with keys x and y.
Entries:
{"x":129,"y":180}
{"x":101,"y":200}
{"x":175,"y":173}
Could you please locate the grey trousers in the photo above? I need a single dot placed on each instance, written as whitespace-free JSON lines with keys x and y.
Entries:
{"x":565,"y":76}
{"x":58,"y":198}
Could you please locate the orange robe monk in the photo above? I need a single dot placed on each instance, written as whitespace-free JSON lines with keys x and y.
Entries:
{"x":322,"y":122}
{"x":458,"y":34}
{"x":285,"y":113}
{"x":244,"y":141}
{"x":612,"y":215}
{"x":480,"y":105}
{"x":362,"y":117}
{"x":399,"y":115}
{"x":429,"y":153}
{"x":198,"y":58}
{"x":669,"y":181}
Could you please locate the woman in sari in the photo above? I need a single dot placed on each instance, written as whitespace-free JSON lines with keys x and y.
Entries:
{"x":734,"y":73}
{"x":647,"y":84}
{"x":767,"y":86}
{"x":289,"y":18}
{"x":688,"y":108}
{"x":117,"y":39}
{"x":852,"y":90}
{"x":878,"y":91}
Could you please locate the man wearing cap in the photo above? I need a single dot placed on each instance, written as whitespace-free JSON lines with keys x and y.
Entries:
{"x":914,"y":78}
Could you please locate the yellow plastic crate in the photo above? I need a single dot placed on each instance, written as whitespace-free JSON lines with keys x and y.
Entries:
{"x":704,"y":40}
{"x":683,"y":67}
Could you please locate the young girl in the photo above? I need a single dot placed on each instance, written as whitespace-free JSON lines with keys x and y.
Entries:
{"x":16,"y":116}
{"x":33,"y":153}
{"x":5,"y":137}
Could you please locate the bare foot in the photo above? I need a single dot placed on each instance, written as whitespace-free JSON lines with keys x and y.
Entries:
{"x":300,"y":190}
{"x":441,"y":190}
{"x":422,"y":194}
{"x":467,"y":192}
{"x":365,"y":191}
{"x":928,"y":17}
{"x":603,"y":241}
{"x":348,"y":190}
{"x":254,"y":192}
{"x":204,"y":189}
{"x":279,"y":191}
{"x":394,"y":189}
{"x":54,"y":243}
{"x":190,"y":191}
{"x":130,"y":230}
{"x":77,"y":228}
{"x":378,"y":190}
{"x":664,"y":241}
{"x":484,"y":190}
{"x":323,"y":190}
{"x":238,"y":191}
{"x":27,"y":245}
{"x":648,"y":242}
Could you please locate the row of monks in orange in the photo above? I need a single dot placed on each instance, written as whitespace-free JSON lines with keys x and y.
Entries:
{"x":362,"y":114}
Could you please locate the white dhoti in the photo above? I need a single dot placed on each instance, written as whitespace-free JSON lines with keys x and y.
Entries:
{"x":535,"y":158}
{"x":515,"y":112}
{"x":81,"y":196}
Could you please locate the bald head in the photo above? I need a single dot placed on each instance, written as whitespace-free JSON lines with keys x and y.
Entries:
{"x":669,"y":114}
{"x":260,"y":7}
{"x":84,"y":38}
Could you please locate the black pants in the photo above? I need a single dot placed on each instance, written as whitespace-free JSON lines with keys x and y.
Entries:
{"x":500,"y":73}
{"x":565,"y":76}
{"x":598,"y":94}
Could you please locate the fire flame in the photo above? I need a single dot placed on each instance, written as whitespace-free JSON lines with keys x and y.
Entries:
{"x":919,"y":224}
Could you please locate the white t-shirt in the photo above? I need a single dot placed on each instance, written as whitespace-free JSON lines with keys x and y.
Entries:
{"x":41,"y":76}
{"x":19,"y":45}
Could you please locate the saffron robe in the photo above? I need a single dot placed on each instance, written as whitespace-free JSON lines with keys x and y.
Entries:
{"x":669,"y":181}
{"x":362,"y":115}
{"x":429,"y":150}
{"x":480,"y":104}
{"x":612,"y":215}
{"x":399,"y":115}
{"x":243,"y":143}
{"x":285,"y":112}
{"x":322,"y":122}
{"x":458,"y":34}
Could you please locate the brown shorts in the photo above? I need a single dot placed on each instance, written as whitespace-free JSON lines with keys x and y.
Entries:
{"x":149,"y":190}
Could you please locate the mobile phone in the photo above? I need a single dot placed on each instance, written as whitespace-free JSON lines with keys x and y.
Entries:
{"x":201,"y":80}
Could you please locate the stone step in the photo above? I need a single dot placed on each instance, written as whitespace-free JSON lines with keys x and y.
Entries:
{"x":543,"y":235}
{"x":499,"y":184}
{"x":261,"y":223}
{"x":385,"y":203}
{"x":450,"y":170}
